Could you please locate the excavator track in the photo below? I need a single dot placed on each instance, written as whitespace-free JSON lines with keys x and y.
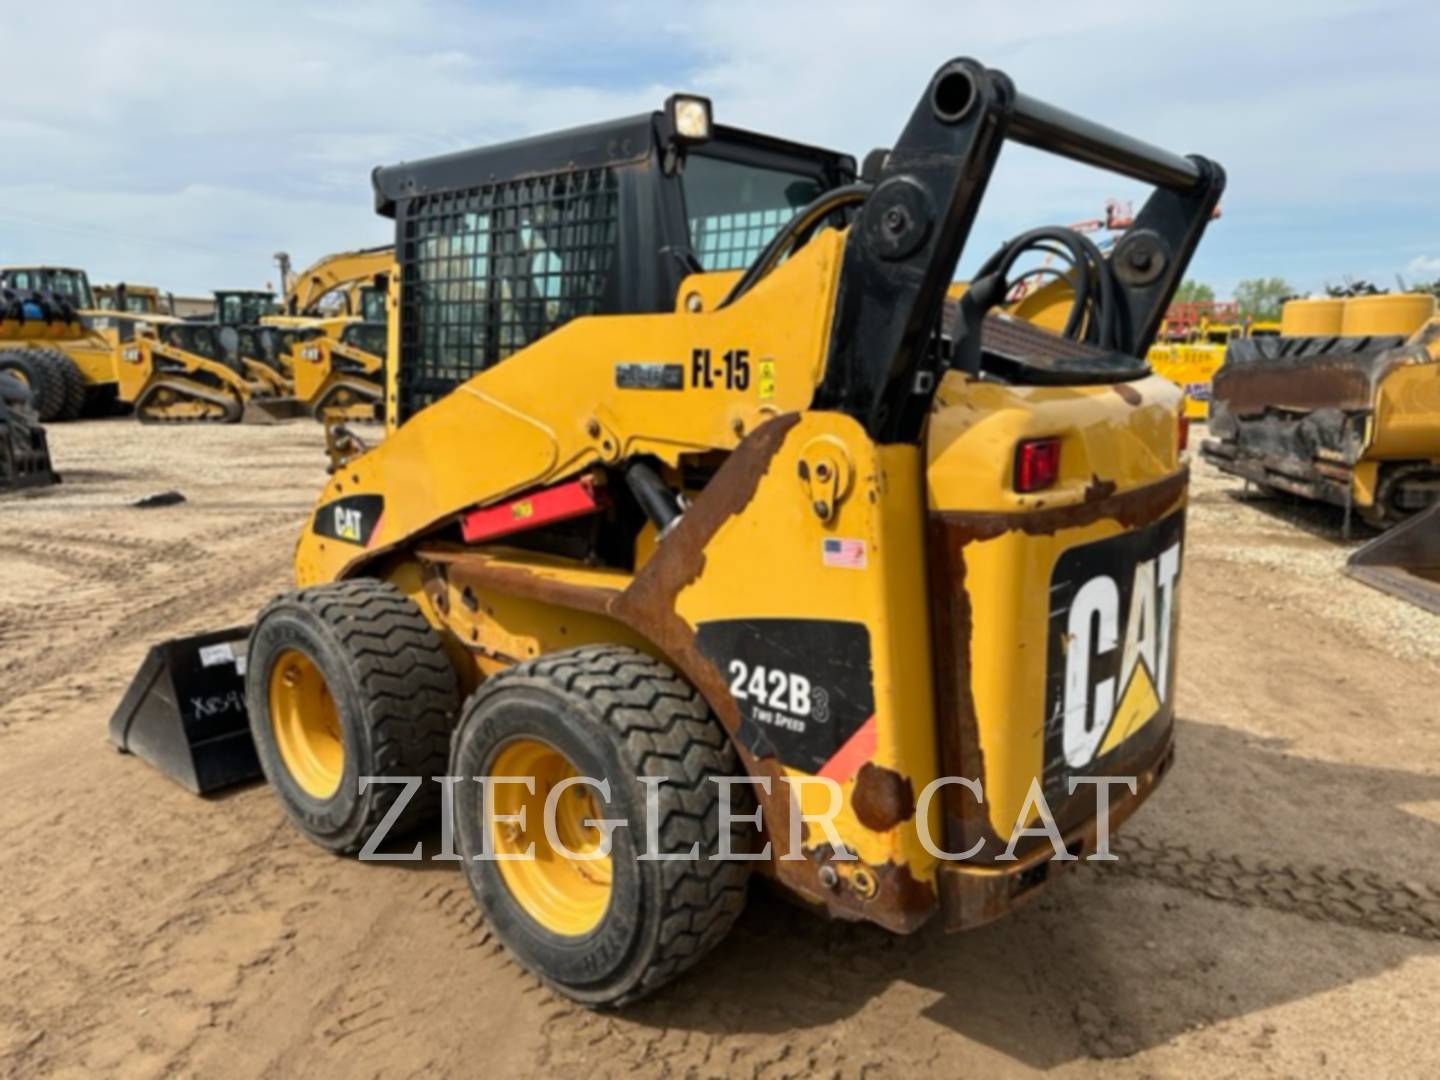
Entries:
{"x":177,"y":401}
{"x":349,"y":399}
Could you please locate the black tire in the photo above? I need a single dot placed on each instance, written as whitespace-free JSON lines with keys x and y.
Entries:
{"x":395,"y":693}
{"x":616,"y":714}
{"x":74,"y":384}
{"x":47,"y":388}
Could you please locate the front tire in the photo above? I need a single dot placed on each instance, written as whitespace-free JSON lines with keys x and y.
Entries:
{"x":342,"y":681}
{"x":35,"y":369}
{"x":614,"y":714}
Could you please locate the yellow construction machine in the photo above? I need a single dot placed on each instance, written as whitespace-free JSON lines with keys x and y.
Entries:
{"x":701,"y":540}
{"x":134,"y":299}
{"x":339,"y":371}
{"x":68,"y":356}
{"x":24,"y":450}
{"x":346,"y":275}
{"x":1343,"y":407}
{"x":228,"y":368}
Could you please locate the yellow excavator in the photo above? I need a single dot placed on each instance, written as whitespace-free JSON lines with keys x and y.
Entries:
{"x":1343,"y":407}
{"x":712,"y":549}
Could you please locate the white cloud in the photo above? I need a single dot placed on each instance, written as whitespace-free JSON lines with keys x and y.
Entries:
{"x":1424,"y":265}
{"x":188,"y":149}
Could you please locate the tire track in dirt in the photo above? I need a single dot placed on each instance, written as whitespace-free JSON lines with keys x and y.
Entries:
{"x":1342,"y":896}
{"x":118,"y":615}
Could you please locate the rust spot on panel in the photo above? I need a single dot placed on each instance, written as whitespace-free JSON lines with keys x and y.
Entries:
{"x":912,"y":901}
{"x":1099,"y":489}
{"x":955,"y":716}
{"x":479,"y":572}
{"x":882,"y":798}
{"x":971,"y":896}
{"x":1139,"y":506}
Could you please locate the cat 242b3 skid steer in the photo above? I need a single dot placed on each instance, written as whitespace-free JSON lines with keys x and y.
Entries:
{"x":686,"y":479}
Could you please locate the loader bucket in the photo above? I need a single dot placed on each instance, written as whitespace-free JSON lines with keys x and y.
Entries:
{"x":273,"y":410}
{"x":185,"y":712}
{"x":1404,"y":561}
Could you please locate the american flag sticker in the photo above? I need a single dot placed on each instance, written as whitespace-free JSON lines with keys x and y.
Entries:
{"x":846,"y":554}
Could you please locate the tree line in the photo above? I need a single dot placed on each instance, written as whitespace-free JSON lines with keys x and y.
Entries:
{"x":1261,"y":298}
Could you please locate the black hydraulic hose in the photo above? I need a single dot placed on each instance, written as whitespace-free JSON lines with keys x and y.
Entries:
{"x":1091,"y":272}
{"x":793,"y":231}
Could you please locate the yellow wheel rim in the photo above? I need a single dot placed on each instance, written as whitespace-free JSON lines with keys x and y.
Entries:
{"x":306,"y":724}
{"x":23,"y":379}
{"x":566,"y":896}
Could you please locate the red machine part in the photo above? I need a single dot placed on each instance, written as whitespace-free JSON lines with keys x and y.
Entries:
{"x":572,"y":499}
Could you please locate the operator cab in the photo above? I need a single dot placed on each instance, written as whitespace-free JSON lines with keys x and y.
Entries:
{"x":244,"y":307}
{"x":70,"y":285}
{"x":501,"y":245}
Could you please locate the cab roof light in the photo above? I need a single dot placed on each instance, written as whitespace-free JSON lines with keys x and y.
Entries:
{"x":690,"y":118}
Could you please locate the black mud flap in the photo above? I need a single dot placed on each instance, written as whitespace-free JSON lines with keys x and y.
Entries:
{"x":185,"y":712}
{"x":1404,"y":561}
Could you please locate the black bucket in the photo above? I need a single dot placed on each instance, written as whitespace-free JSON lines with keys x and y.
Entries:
{"x":185,"y":712}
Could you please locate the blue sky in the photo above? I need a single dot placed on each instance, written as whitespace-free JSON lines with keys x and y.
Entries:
{"x":185,"y":148}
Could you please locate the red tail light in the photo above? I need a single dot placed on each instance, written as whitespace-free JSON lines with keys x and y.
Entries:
{"x":1037,"y":464}
{"x":1183,"y":436}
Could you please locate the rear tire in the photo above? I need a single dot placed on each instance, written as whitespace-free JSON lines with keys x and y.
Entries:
{"x":74,"y":384}
{"x":35,"y":370}
{"x":615,"y":714}
{"x":389,"y":700}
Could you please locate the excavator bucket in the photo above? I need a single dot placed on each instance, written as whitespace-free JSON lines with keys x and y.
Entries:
{"x":273,"y":410}
{"x":1404,"y":561}
{"x":185,"y":712}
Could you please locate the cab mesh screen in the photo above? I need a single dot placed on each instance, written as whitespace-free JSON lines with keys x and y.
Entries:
{"x":488,"y":270}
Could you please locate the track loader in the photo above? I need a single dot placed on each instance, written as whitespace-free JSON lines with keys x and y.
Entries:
{"x":1348,"y":416}
{"x":339,"y":371}
{"x":684,"y":482}
{"x":226,"y":369}
{"x":342,"y":377}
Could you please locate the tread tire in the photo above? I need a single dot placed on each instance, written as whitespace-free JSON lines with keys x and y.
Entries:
{"x":625,"y":715}
{"x":47,"y":388}
{"x":395,"y":691}
{"x":74,"y":383}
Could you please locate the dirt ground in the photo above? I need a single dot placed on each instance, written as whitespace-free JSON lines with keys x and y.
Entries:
{"x":1276,"y":911}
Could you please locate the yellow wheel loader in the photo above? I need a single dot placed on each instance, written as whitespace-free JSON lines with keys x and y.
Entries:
{"x":702,"y":544}
{"x":134,"y":299}
{"x":67,"y":354}
{"x":1347,"y":412}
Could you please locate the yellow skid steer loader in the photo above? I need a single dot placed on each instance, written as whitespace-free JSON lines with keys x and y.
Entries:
{"x":700,"y":541}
